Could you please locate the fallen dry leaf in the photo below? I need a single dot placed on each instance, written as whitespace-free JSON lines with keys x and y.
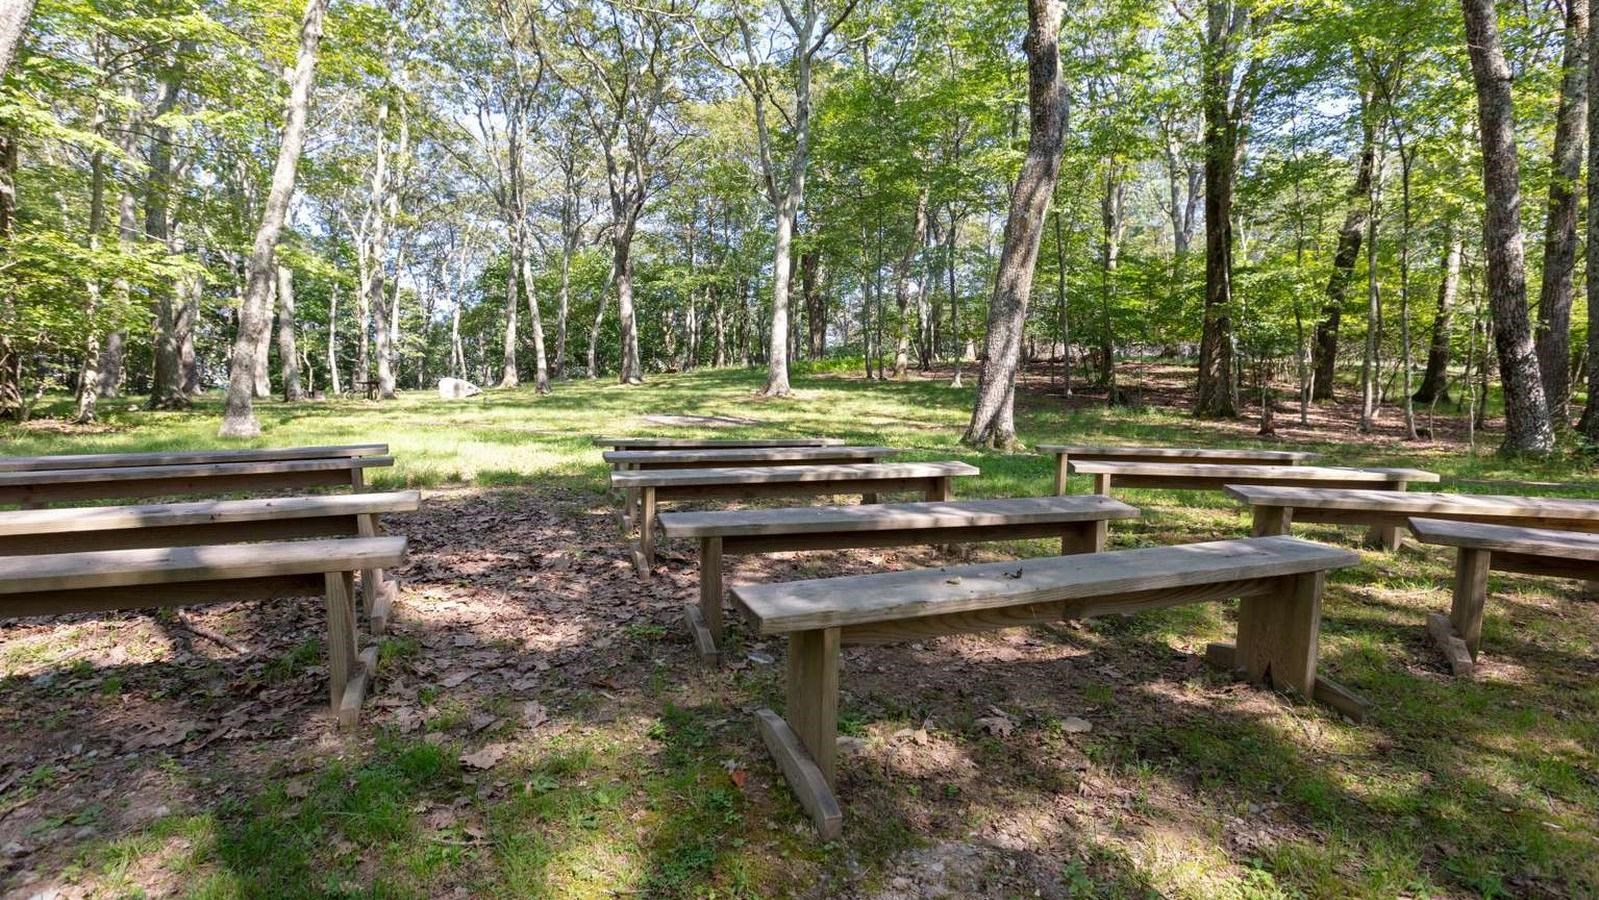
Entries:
{"x":486,"y":758}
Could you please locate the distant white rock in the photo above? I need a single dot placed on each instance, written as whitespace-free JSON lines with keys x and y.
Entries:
{"x":457,"y":389}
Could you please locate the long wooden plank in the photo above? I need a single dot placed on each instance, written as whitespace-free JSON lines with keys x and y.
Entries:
{"x":205,"y":512}
{"x":1155,"y":454}
{"x":894,"y":516}
{"x":1427,"y":505}
{"x":169,"y":565}
{"x":153,"y":596}
{"x":648,"y":443}
{"x":788,"y":474}
{"x":1508,"y":539}
{"x":744,"y":455}
{"x":856,"y":600}
{"x":185,"y":472}
{"x":177,"y":458}
{"x":1131,"y":473}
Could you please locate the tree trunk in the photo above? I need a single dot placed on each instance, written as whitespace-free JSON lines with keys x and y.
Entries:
{"x":89,"y":373}
{"x":1215,"y":394}
{"x":1370,"y":366}
{"x":508,"y":375}
{"x":14,"y":17}
{"x":288,"y":353}
{"x":563,"y":305}
{"x":1111,"y":225}
{"x":1527,"y":427}
{"x":1435,"y":380}
{"x":632,"y":371}
{"x":1590,"y":412}
{"x":238,"y":418}
{"x":1553,"y":341}
{"x":1324,"y":353}
{"x":993,"y":413}
{"x":333,"y":341}
{"x":541,"y":369}
{"x":166,"y":383}
{"x":11,"y":403}
{"x":815,"y":304}
{"x":904,"y":286}
{"x":262,"y":376}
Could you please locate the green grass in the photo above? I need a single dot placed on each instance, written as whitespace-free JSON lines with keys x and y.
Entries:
{"x":1482,"y":788}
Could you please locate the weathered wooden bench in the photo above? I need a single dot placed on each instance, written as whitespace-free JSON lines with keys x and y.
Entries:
{"x":931,"y":479}
{"x":44,"y":486}
{"x":744,"y":456}
{"x":97,"y":581}
{"x":1275,"y":509}
{"x":1064,"y":453}
{"x":79,"y":529}
{"x":1079,"y":522}
{"x":1216,"y":477}
{"x":185,"y":458}
{"x":649,"y":443}
{"x":1279,"y":580}
{"x":1500,"y":548}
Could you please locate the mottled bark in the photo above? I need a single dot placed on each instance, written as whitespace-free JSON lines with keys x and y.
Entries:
{"x":993,"y":413}
{"x":1527,"y":426}
{"x":1553,"y":338}
{"x":288,"y":352}
{"x":14,"y":17}
{"x":239,"y":413}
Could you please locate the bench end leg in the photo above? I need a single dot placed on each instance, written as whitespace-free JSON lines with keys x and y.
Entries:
{"x":355,"y":692}
{"x":1222,"y":656}
{"x":805,"y":779}
{"x":1454,"y":649}
{"x":704,"y":641}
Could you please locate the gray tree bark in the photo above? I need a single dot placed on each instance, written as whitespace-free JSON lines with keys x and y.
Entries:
{"x":1553,"y":337}
{"x":1435,"y":379}
{"x":905,"y":285}
{"x":993,"y":413}
{"x":14,"y":17}
{"x":288,"y":353}
{"x":238,"y":418}
{"x":1527,"y":426}
{"x":1324,"y":351}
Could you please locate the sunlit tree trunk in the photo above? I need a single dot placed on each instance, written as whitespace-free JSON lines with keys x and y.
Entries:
{"x":993,"y":413}
{"x":1324,"y":354}
{"x":288,"y":353}
{"x":89,"y":372}
{"x":334,"y":388}
{"x":14,"y":16}
{"x":905,"y":284}
{"x":1527,"y":426}
{"x":239,"y":415}
{"x":1435,"y":379}
{"x":1590,"y":413}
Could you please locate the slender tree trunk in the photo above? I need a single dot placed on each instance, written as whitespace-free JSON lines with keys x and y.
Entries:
{"x":1553,"y":340}
{"x":1590,"y":412}
{"x":262,"y":376}
{"x":993,"y":413}
{"x":239,"y":415}
{"x":334,"y":388}
{"x":541,"y":378}
{"x":1062,"y":314}
{"x":288,"y":353}
{"x":1527,"y":426}
{"x":563,"y":306}
{"x":1111,"y":224}
{"x":1435,"y":380}
{"x":11,"y":402}
{"x":904,"y":285}
{"x":111,"y":356}
{"x":599,"y":320}
{"x":1370,"y":365}
{"x":956,"y":338}
{"x":508,"y":375}
{"x":815,"y":304}
{"x":632,"y":367}
{"x":1216,"y":386}
{"x":166,"y":387}
{"x":1324,"y":353}
{"x":89,"y":372}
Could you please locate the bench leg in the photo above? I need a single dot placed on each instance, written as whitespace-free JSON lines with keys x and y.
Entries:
{"x":646,"y":532}
{"x":1278,"y":634}
{"x":1386,"y":537}
{"x":868,"y":499}
{"x":1102,"y":483}
{"x":371,"y":579}
{"x":342,"y":663}
{"x":1271,"y":520}
{"x":1471,"y":594}
{"x":357,"y":480}
{"x":940,"y":490}
{"x":805,"y":742}
{"x":705,"y":620}
{"x":1060,"y":474}
{"x":1084,"y":537}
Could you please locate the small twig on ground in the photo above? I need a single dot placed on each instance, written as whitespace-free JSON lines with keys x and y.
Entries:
{"x":214,"y":637}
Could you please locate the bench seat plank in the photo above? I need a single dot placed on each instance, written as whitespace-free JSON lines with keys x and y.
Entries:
{"x":1168,"y":454}
{"x":177,"y":458}
{"x":745,"y":455}
{"x":191,"y":471}
{"x":788,"y":474}
{"x":885,"y":597}
{"x":1508,"y":539}
{"x":1203,"y":475}
{"x":1429,"y":505}
{"x":893,"y":516}
{"x":648,"y":443}
{"x":205,"y":512}
{"x":171,"y":565}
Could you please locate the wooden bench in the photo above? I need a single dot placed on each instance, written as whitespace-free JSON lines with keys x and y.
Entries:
{"x":932,"y":479}
{"x":41,"y":487}
{"x":1079,"y":522}
{"x":1275,"y":509}
{"x":185,"y":458}
{"x":721,"y":458}
{"x":1216,"y":477}
{"x":96,"y":581}
{"x":649,"y":443}
{"x":1500,"y":548}
{"x":1279,"y":579}
{"x":1064,"y":453}
{"x":72,"y":530}
{"x":367,"y":388}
